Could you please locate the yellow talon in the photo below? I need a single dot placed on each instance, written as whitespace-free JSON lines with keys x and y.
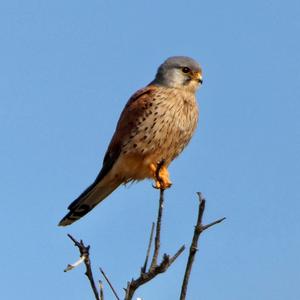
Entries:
{"x":161,"y":180}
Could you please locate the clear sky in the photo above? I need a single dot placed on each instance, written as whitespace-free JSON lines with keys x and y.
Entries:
{"x":66,"y":70}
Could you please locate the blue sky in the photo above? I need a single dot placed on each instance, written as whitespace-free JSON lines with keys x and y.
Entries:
{"x":67,"y":69}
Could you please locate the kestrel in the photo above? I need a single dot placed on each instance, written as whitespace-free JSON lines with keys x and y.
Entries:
{"x":156,"y":124}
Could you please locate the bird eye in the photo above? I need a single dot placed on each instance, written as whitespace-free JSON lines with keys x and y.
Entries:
{"x":186,"y":69}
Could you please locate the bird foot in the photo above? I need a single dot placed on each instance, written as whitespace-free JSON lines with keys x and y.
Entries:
{"x":160,"y":175}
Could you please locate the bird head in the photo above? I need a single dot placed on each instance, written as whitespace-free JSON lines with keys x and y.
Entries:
{"x":179,"y":72}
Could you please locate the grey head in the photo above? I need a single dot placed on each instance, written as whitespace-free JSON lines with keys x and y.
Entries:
{"x":179,"y":72}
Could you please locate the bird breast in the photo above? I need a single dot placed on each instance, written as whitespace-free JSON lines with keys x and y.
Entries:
{"x":165,"y":127}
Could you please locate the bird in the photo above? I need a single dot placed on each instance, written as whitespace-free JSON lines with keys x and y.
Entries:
{"x":154,"y":127}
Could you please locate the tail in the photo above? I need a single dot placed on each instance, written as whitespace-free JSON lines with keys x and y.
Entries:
{"x":92,"y":196}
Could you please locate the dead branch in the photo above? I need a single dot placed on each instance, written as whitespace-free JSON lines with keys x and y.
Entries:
{"x":158,"y":227}
{"x":110,"y":285}
{"x":199,"y":228}
{"x":144,"y":268}
{"x":155,"y":268}
{"x":101,"y":292}
{"x":85,"y":257}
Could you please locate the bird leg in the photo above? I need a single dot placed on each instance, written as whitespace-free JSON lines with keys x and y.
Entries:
{"x":160,"y":175}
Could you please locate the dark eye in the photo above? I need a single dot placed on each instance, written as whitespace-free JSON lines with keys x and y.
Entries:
{"x":186,"y":69}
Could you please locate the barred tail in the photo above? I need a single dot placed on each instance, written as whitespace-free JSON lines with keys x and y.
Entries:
{"x":92,"y":196}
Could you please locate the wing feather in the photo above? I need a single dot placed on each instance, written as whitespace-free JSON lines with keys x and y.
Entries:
{"x":127,"y":122}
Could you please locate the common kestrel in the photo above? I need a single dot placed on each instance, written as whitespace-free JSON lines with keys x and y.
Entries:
{"x":156,"y":124}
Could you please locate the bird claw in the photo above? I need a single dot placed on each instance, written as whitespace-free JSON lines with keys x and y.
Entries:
{"x":160,"y":176}
{"x":160,"y":185}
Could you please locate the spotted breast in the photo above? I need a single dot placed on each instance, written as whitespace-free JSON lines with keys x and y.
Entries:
{"x":163,"y":124}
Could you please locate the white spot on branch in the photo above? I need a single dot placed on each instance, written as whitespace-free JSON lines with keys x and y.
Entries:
{"x":75,"y":264}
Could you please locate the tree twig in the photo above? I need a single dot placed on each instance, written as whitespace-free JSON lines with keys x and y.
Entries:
{"x":158,"y":227}
{"x":166,"y":262}
{"x":109,"y":283}
{"x":101,"y":292}
{"x":85,"y":256}
{"x":199,"y":228}
{"x":144,"y":268}
{"x":154,"y":268}
{"x":134,"y":284}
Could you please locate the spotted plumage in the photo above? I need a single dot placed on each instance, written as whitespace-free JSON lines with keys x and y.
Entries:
{"x":156,"y":124}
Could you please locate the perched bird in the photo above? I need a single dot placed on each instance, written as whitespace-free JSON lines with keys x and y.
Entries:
{"x":156,"y":124}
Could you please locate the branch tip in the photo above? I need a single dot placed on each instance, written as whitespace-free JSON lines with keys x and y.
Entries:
{"x":109,"y":283}
{"x":84,"y":257}
{"x":199,"y":228}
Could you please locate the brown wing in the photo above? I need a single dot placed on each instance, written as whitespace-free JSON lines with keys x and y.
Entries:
{"x":128,"y":120}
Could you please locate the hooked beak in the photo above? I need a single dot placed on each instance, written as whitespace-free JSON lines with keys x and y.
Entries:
{"x":197,"y":76}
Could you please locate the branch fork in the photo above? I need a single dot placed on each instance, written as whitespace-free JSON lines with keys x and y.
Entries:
{"x":84,"y":257}
{"x":199,"y":228}
{"x":155,"y":268}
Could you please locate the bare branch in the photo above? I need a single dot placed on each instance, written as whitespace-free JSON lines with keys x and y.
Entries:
{"x":145,"y":277}
{"x":101,"y":292}
{"x":199,"y":228}
{"x":110,"y":285}
{"x":144,"y":268}
{"x":154,"y":269}
{"x":85,"y":256}
{"x":181,"y":249}
{"x":204,"y":227}
{"x":158,"y":227}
